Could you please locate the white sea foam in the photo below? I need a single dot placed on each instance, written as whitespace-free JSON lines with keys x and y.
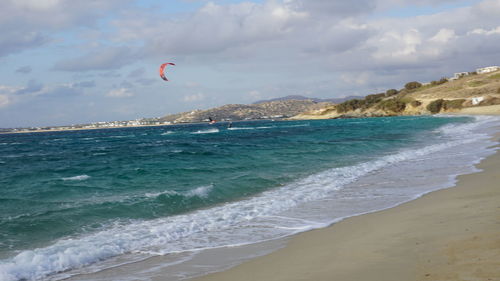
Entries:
{"x":77,"y":178}
{"x":201,"y":191}
{"x":235,"y":223}
{"x":241,"y":128}
{"x":250,"y":128}
{"x":121,"y":137}
{"x":167,"y":133}
{"x":207,"y":131}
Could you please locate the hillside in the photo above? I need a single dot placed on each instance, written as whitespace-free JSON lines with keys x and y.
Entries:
{"x":298,"y":97}
{"x":235,"y":112}
{"x":472,"y":94}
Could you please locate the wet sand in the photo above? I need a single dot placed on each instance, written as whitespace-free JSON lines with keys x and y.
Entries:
{"x":451,"y":234}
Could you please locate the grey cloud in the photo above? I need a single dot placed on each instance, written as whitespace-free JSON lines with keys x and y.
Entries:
{"x":204,"y":32}
{"x":335,"y":8}
{"x":32,"y":87}
{"x":126,"y":84}
{"x":63,"y":91}
{"x":24,"y":69}
{"x":30,"y":24}
{"x":84,"y":84}
{"x":324,"y":35}
{"x":102,"y":59}
{"x":137,"y":73}
{"x":146,"y":81}
{"x":14,"y":42}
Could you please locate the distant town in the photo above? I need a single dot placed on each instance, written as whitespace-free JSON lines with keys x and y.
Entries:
{"x":95,"y":125}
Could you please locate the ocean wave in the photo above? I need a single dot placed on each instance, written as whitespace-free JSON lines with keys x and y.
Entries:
{"x":10,"y":143}
{"x":201,"y":191}
{"x":213,"y":227}
{"x":121,"y":136}
{"x":207,"y":131}
{"x":77,"y":178}
{"x":241,"y":128}
{"x":251,"y":128}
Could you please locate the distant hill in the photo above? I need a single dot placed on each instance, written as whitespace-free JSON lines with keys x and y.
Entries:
{"x":235,"y":112}
{"x":472,"y":93}
{"x":298,"y":97}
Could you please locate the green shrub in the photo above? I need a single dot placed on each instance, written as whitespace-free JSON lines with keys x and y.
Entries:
{"x":391,"y":92}
{"x":405,"y":99}
{"x":413,"y":85}
{"x":350,"y":105}
{"x":393,"y":105}
{"x":453,"y":104}
{"x":494,"y":76}
{"x":439,"y":82}
{"x":373,"y":99}
{"x":435,"y":106}
{"x":476,"y":83}
{"x":415,"y":103}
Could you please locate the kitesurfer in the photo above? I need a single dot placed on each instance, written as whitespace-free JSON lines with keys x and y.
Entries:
{"x":162,"y":70}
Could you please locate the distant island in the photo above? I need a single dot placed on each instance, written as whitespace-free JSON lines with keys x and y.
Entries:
{"x":476,"y":92}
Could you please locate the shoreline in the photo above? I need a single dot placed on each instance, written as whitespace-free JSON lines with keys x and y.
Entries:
{"x":478,"y":110}
{"x":449,"y":234}
{"x":137,"y":126}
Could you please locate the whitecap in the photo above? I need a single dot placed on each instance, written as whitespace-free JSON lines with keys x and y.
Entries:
{"x":213,"y":226}
{"x":76,"y":178}
{"x":208,"y":131}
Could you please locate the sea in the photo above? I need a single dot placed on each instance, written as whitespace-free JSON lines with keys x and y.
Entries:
{"x":146,"y":203}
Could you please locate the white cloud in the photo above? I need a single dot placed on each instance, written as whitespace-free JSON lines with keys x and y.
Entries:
{"x":120,"y":93}
{"x":194,"y":97}
{"x":7,"y":95}
{"x":443,"y":36}
{"x":394,"y":45}
{"x":4,"y":100}
{"x":361,"y":78}
{"x":251,"y":48}
{"x":481,"y":31}
{"x":255,"y":95}
{"x":212,"y":29}
{"x":99,"y":59}
{"x":26,"y":24}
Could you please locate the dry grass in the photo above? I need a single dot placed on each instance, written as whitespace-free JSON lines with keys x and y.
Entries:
{"x":466,"y":87}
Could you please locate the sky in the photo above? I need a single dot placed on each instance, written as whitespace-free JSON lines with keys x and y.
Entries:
{"x":68,"y":62}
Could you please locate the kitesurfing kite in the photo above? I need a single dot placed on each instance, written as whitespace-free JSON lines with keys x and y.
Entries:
{"x":162,"y":70}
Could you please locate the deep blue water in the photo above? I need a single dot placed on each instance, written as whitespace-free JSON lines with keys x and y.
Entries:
{"x":57,"y":187}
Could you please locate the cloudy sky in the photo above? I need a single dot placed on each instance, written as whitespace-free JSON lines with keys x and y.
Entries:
{"x":66,"y":62}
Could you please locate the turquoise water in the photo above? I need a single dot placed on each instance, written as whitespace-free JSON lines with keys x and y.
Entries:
{"x":61,"y":192}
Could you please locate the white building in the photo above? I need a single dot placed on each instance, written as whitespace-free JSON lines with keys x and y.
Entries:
{"x":477,"y":100}
{"x":487,"y":69}
{"x":459,"y":75}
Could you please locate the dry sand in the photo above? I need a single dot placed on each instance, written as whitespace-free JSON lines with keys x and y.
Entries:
{"x":482,"y":110}
{"x":452,"y":234}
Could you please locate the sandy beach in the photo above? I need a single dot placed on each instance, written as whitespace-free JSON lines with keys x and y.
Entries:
{"x":451,"y":234}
